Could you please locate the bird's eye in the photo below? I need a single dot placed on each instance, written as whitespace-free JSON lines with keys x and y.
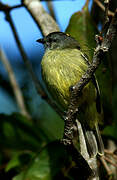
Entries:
{"x":54,"y":40}
{"x":50,"y":40}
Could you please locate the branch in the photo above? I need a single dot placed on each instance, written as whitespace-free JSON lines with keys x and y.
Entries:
{"x":51,"y":10}
{"x":112,"y":158}
{"x":103,"y":45}
{"x":15,"y":86}
{"x":108,"y":170}
{"x":43,"y":20}
{"x":111,"y":153}
{"x":5,"y":7}
{"x":110,"y":161}
{"x":110,"y":13}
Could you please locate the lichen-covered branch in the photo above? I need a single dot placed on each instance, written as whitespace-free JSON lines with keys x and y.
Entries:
{"x":44,"y":21}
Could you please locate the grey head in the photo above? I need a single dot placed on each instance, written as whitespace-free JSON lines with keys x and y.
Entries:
{"x":59,"y":40}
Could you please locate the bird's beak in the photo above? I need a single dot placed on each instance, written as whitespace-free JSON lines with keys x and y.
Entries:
{"x":40,"y":41}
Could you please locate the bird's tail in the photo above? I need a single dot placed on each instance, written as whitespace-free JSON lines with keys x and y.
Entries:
{"x":94,"y":142}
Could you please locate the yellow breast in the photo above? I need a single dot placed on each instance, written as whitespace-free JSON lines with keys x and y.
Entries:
{"x":62,"y":69}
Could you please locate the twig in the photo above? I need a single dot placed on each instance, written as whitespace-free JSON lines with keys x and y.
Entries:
{"x":114,"y":156}
{"x":106,"y":18}
{"x":110,"y":13}
{"x":110,"y":153}
{"x":51,"y":10}
{"x":110,"y":161}
{"x":24,"y":56}
{"x":14,"y":84}
{"x":112,"y":147}
{"x":106,"y":2}
{"x":5,"y":7}
{"x":37,"y":83}
{"x":109,"y":172}
{"x":44,"y":21}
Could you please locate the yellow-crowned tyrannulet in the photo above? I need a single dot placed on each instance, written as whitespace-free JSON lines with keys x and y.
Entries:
{"x":63,"y":65}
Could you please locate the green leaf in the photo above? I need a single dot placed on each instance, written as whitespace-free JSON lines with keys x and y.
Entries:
{"x":17,"y":132}
{"x":111,"y":131}
{"x":14,"y":162}
{"x":51,"y":123}
{"x":19,"y":160}
{"x":46,"y":164}
{"x":19,"y":176}
{"x":83,"y":29}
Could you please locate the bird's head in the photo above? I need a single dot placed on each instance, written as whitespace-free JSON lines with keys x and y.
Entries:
{"x":58,"y":40}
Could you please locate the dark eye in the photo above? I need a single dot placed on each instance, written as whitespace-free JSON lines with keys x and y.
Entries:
{"x":50,"y":40}
{"x":54,"y":40}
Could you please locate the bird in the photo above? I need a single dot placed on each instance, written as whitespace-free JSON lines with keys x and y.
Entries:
{"x":62,"y":66}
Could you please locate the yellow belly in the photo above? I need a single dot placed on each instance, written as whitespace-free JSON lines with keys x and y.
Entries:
{"x":62,"y":69}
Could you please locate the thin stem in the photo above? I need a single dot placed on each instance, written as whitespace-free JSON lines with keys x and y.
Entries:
{"x":5,"y":7}
{"x":106,"y":18}
{"x":51,"y":10}
{"x":111,"y":153}
{"x":15,"y":7}
{"x":110,"y":13}
{"x":109,"y":172}
{"x":23,"y":54}
{"x":14,"y":84}
{"x":110,"y":161}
